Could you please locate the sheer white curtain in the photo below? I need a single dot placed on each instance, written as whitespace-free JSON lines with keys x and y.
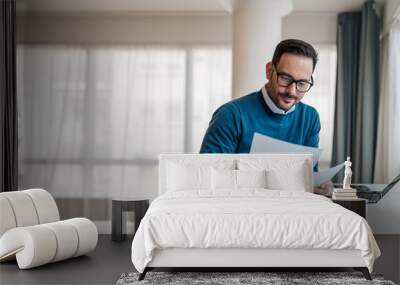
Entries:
{"x":211,"y":87}
{"x":322,"y":97}
{"x":96,"y":118}
{"x":387,"y":162}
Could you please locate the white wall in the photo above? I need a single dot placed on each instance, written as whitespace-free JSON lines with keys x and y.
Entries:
{"x":316,"y":28}
{"x":124,"y":28}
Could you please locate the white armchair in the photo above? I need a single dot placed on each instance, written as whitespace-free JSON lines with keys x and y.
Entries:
{"x":32,"y":233}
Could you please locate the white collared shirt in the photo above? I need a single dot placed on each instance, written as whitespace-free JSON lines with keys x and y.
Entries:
{"x":272,"y":105}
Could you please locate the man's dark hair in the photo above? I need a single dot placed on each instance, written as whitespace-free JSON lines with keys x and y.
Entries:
{"x":297,"y":47}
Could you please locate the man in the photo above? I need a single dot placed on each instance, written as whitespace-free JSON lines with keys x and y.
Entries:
{"x":275,"y":110}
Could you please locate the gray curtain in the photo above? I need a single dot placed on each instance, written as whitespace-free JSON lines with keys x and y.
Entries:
{"x":8,"y":99}
{"x":348,"y":45}
{"x":368,"y":95}
{"x":357,"y":91}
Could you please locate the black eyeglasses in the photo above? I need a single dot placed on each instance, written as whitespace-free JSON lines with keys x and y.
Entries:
{"x":285,"y":80}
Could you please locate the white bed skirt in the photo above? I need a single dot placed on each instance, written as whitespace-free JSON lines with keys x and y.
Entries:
{"x":193,"y":257}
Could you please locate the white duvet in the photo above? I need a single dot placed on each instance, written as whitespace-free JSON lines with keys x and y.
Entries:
{"x":250,"y":219}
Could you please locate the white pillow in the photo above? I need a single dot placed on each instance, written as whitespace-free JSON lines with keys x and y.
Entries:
{"x":251,"y":178}
{"x":288,"y":174}
{"x":223,"y":179}
{"x":292,"y":179}
{"x":227,"y":179}
{"x":188,"y":177}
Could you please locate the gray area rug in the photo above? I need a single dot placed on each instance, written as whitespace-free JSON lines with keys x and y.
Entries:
{"x":225,"y":278}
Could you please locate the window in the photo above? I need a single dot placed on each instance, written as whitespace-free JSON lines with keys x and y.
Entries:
{"x":322,"y":97}
{"x":211,"y":87}
{"x":96,"y":118}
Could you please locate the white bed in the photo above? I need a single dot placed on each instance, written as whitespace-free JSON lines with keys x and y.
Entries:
{"x":241,"y":210}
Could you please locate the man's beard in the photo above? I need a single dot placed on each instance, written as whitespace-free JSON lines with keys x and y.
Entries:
{"x":287,"y":95}
{"x":283,"y":104}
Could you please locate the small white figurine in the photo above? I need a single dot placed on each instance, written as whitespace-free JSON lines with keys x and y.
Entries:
{"x":347,"y":174}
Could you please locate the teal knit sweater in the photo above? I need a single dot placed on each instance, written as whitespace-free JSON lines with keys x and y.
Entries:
{"x":233,"y":125}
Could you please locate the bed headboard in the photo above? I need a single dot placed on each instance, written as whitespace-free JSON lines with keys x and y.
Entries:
{"x":234,"y":159}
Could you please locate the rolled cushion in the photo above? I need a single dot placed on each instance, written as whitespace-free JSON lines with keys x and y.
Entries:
{"x":37,"y":245}
{"x":26,"y":208}
{"x":7,"y":218}
{"x":23,"y":208}
{"x":46,"y":207}
{"x":33,"y":246}
{"x":67,"y":240}
{"x":87,"y":233}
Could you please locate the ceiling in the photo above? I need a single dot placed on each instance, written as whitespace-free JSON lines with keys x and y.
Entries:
{"x":224,"y":6}
{"x":124,"y":5}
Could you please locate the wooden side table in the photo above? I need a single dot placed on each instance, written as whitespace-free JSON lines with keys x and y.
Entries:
{"x":121,"y":205}
{"x":356,"y":205}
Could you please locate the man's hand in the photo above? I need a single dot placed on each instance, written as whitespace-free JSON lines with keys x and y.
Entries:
{"x":325,"y":188}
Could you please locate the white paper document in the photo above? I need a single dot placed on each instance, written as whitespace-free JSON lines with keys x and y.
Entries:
{"x":326,"y":175}
{"x":263,"y":144}
{"x":266,"y":144}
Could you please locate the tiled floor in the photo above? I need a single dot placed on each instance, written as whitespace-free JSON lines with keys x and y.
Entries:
{"x":110,"y":260}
